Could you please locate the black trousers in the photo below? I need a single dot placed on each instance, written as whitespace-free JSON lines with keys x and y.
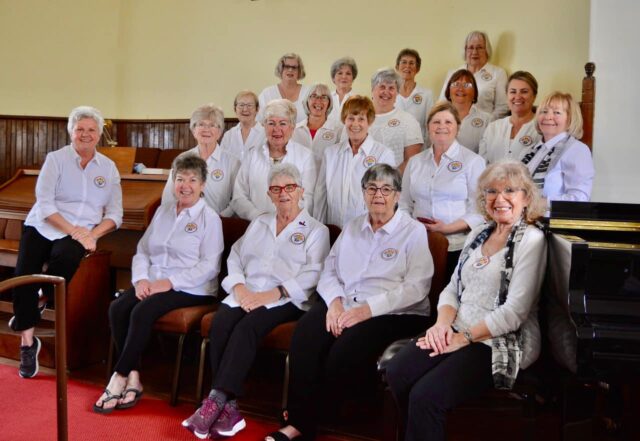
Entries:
{"x":321,"y":362}
{"x":234,"y":338}
{"x":426,"y":387}
{"x":132,"y":320}
{"x":63,"y":257}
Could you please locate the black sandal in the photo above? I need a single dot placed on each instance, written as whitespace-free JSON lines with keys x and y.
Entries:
{"x":101,"y":409}
{"x":130,"y":404}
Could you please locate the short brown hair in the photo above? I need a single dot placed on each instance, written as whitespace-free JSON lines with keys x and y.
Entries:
{"x":409,"y":53}
{"x":443,"y":106}
{"x":356,"y":105}
{"x":525,"y":76}
{"x":462,"y":73}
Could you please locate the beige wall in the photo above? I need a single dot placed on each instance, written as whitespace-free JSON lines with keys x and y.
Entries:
{"x":161,"y":58}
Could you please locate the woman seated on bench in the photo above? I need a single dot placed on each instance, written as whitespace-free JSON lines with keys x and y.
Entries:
{"x":78,"y":200}
{"x":487,"y":326}
{"x":273,"y":269}
{"x":176,"y":266}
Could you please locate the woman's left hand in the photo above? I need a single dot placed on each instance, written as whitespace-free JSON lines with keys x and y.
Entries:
{"x":161,"y":285}
{"x":436,"y":225}
{"x":258,"y":299}
{"x":354,"y":316}
{"x":458,"y":341}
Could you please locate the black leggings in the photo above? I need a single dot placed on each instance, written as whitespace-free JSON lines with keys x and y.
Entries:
{"x":132,"y":320}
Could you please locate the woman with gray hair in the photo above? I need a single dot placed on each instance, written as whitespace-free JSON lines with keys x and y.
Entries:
{"x":491,"y":79}
{"x":273,"y":270}
{"x":317,"y":131}
{"x":343,"y":72}
{"x":487,"y":325}
{"x":250,"y":197}
{"x":78,"y":200}
{"x":393,"y":127}
{"x":207,"y":124}
{"x":374,"y":289}
{"x":290,"y":70}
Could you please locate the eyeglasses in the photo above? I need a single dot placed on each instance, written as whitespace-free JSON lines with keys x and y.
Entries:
{"x":475,"y":48}
{"x":385,"y":190}
{"x":461,"y":84}
{"x":313,"y":96}
{"x":277,"y":189}
{"x":246,"y":106}
{"x":204,"y":125}
{"x":508,"y":193}
{"x":290,"y":67}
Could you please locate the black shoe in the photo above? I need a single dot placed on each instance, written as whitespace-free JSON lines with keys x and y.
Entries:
{"x":29,"y":359}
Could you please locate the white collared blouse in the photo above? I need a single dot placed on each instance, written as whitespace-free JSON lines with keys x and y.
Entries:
{"x":232,"y":140}
{"x":418,"y":104}
{"x":473,"y":127}
{"x":327,"y":135}
{"x":273,"y":93}
{"x":496,"y":143}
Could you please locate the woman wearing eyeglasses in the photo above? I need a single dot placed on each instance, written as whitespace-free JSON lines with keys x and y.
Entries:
{"x":272,"y":270}
{"x":374,"y":289}
{"x":207,"y":124}
{"x":462,"y":92}
{"x":491,"y":79}
{"x":487,"y":325}
{"x":318,"y":131}
{"x":290,"y":70}
{"x":510,"y":136}
{"x":412,"y":98}
{"x":248,"y":133}
{"x":441,"y":182}
{"x":250,"y":197}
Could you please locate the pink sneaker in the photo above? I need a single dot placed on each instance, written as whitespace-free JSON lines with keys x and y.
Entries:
{"x":201,"y":421}
{"x":229,"y":422}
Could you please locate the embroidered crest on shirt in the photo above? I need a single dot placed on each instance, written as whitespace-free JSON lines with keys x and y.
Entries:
{"x":455,"y":166}
{"x":389,"y":253}
{"x":477,"y":122}
{"x":328,"y":136}
{"x":369,"y":161}
{"x":100,"y":181}
{"x":486,"y":76}
{"x":217,"y":175}
{"x":297,"y":238}
{"x":526,"y":140}
{"x":417,"y":99}
{"x":191,"y":227}
{"x":394,"y":122}
{"x":481,"y":262}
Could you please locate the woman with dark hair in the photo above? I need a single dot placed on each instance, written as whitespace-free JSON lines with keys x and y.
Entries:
{"x":412,"y":98}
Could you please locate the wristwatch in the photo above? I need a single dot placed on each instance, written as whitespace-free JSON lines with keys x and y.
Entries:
{"x":283,"y":292}
{"x":467,"y":334}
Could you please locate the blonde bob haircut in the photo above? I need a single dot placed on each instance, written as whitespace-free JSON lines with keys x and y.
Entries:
{"x":512,"y":174}
{"x":574,"y":116}
{"x":290,"y":56}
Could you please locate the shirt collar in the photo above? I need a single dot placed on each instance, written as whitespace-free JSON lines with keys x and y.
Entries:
{"x":301,"y":220}
{"x":195,"y":209}
{"x":555,"y":140}
{"x":388,"y":228}
{"x":453,"y":151}
{"x":77,"y":158}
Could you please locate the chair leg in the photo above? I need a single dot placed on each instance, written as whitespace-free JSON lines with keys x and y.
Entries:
{"x":176,"y":374}
{"x":285,"y":383}
{"x":203,"y":354}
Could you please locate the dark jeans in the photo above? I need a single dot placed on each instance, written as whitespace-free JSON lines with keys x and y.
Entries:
{"x":319,"y":361}
{"x":63,"y":257}
{"x":426,"y":387}
{"x":132,"y":320}
{"x":234,"y":339}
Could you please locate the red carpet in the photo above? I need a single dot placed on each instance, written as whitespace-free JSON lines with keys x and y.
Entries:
{"x":28,"y":412}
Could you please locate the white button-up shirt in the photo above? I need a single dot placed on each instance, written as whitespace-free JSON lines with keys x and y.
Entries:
{"x":338,"y":196}
{"x":222,"y":168}
{"x":273,"y":93}
{"x":496,"y":143}
{"x":418,"y":104}
{"x":396,"y":129}
{"x":473,"y":127}
{"x":83,"y":197}
{"x":492,"y":89}
{"x":390,"y":269}
{"x":232,"y":140}
{"x":184,"y":248}
{"x":336,"y":110}
{"x":250,"y":197}
{"x":261,"y":260}
{"x":327,"y":135}
{"x":446,"y":192}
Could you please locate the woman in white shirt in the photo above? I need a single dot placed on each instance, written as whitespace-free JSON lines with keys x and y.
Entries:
{"x":207,"y":124}
{"x":78,"y":200}
{"x":440,"y":183}
{"x":343,"y":72}
{"x":561,"y":166}
{"x":317,"y":131}
{"x":176,"y":265}
{"x":338,"y":196}
{"x":487,"y":325}
{"x":509,"y":136}
{"x":248,"y":133}
{"x":412,"y":98}
{"x":374,"y":289}
{"x":290,"y":70}
{"x":273,"y":270}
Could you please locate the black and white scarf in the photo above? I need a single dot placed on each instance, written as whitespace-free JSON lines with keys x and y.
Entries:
{"x":539,"y":167}
{"x":506,"y":350}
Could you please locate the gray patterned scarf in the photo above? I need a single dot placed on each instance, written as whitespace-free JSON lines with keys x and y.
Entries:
{"x":548,"y":161}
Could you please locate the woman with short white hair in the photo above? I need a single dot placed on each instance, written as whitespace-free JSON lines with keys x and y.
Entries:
{"x":250,"y":197}
{"x":290,"y":70}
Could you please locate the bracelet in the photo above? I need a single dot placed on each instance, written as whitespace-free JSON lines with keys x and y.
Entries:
{"x":467,"y":334}
{"x":283,"y":292}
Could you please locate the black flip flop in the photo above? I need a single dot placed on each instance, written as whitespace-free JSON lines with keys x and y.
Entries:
{"x":130,"y":404}
{"x":101,"y":409}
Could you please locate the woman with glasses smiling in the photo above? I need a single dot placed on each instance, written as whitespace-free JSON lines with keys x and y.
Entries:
{"x":248,"y":133}
{"x":487,"y":325}
{"x":318,"y":131}
{"x":374,"y":289}
{"x":491,"y":79}
{"x":273,"y":270}
{"x":290,"y":70}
